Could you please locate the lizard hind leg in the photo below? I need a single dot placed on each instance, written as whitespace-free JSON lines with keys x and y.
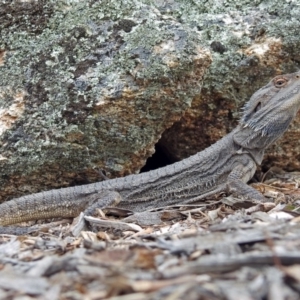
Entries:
{"x":103,"y":199}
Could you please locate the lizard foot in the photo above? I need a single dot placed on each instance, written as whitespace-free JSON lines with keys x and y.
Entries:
{"x":238,"y":187}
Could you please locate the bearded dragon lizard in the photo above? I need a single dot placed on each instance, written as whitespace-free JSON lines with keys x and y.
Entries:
{"x":225,"y":166}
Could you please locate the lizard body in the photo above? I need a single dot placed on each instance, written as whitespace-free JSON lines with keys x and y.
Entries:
{"x":225,"y":166}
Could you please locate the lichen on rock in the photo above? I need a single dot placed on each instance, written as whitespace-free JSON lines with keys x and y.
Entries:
{"x":250,"y":42}
{"x":100,"y":81}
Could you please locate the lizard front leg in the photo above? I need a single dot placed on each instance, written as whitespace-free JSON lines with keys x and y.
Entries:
{"x":241,"y":173}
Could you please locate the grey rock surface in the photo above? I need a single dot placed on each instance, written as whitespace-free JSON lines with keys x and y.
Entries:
{"x":250,"y":42}
{"x":89,"y":84}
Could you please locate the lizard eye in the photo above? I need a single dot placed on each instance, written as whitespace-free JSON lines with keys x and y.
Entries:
{"x":280,"y":82}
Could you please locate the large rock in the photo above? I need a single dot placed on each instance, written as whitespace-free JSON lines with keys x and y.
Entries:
{"x":87,"y":84}
{"x":250,"y":42}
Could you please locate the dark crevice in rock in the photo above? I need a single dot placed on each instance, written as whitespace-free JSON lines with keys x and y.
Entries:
{"x":157,"y":160}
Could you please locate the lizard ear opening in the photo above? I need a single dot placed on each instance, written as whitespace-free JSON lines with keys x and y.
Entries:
{"x":257,"y":107}
{"x":247,"y":116}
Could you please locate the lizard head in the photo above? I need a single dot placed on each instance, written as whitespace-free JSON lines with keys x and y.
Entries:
{"x":269,"y":112}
